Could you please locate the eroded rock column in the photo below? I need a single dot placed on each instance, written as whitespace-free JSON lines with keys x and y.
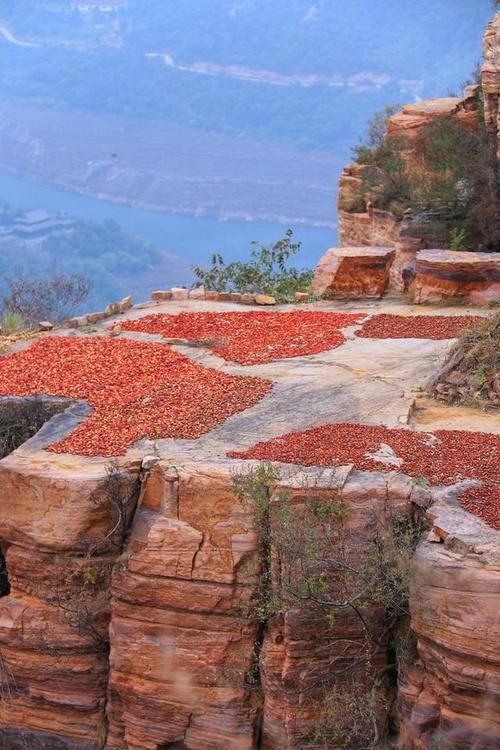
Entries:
{"x":450,"y":697}
{"x":57,"y":527}
{"x":182,"y":640}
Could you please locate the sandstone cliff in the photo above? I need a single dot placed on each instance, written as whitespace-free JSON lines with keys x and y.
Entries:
{"x":131,"y":606}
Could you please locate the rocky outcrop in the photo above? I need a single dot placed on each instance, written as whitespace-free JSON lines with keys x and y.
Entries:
{"x":362,"y":223}
{"x":413,"y":118}
{"x":450,"y":696}
{"x":353,"y":272}
{"x":182,"y":639}
{"x":297,"y":661}
{"x":444,"y":274}
{"x":56,"y":529}
{"x":490,"y":78}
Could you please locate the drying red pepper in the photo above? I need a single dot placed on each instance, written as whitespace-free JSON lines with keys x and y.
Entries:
{"x":253,"y":337}
{"x":444,"y":457}
{"x":387,"y":326}
{"x":136,"y":389}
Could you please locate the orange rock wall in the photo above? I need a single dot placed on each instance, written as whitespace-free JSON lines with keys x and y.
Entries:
{"x":450,"y":697}
{"x":184,"y":634}
{"x":181,"y":636}
{"x":54,"y":660}
{"x":490,"y":78}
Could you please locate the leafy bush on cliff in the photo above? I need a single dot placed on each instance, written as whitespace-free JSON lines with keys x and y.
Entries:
{"x":471,"y":374}
{"x":448,"y":176}
{"x":266,"y":272}
{"x":309,"y":560}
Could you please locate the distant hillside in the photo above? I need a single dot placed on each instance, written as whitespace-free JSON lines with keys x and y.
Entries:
{"x":297,"y":70}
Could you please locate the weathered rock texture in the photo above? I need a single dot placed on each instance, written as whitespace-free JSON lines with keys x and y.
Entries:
{"x":361,"y":224}
{"x":181,"y":635}
{"x":414,"y":117}
{"x":442,"y":274}
{"x":56,"y":529}
{"x":490,"y":78}
{"x":450,"y":697}
{"x":353,"y":272}
{"x":296,"y":659}
{"x":184,"y":634}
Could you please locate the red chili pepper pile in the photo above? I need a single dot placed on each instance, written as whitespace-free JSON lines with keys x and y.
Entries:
{"x":254,"y":337}
{"x":454,"y":456}
{"x":417,"y":326}
{"x":136,"y":390}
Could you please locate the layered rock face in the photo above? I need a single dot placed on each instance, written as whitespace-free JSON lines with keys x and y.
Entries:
{"x":57,"y":532}
{"x":361,"y":224}
{"x":490,"y":78}
{"x":410,"y":122}
{"x":300,"y":652}
{"x":185,"y":641}
{"x":450,"y":697}
{"x":186,"y":644}
{"x":442,"y":274}
{"x":181,"y":636}
{"x":353,"y":272}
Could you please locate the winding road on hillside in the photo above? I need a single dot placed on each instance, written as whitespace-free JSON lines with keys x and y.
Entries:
{"x":9,"y":37}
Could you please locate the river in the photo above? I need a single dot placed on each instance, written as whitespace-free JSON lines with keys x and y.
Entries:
{"x":188,"y":239}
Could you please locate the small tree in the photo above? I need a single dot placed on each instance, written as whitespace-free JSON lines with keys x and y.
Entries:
{"x":267,"y":271}
{"x":448,"y":175}
{"x":51,"y":298}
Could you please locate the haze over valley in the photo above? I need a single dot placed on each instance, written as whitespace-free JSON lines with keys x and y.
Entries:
{"x":236,"y":111}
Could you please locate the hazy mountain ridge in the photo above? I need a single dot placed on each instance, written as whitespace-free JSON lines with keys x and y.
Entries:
{"x":375,"y":55}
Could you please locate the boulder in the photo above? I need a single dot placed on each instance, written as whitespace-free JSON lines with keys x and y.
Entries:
{"x":95,"y":317}
{"x":212,"y":296}
{"x":264,"y":299}
{"x":353,"y":272}
{"x":450,"y":274}
{"x":161,"y":295}
{"x":125,"y":304}
{"x":45,"y":325}
{"x":197,"y":293}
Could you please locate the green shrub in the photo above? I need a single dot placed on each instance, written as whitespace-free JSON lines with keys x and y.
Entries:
{"x":449,"y":176}
{"x":266,"y":272}
{"x":11,"y":323}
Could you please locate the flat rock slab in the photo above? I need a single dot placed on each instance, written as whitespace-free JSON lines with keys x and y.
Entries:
{"x":345,"y":272}
{"x":447,"y":274}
